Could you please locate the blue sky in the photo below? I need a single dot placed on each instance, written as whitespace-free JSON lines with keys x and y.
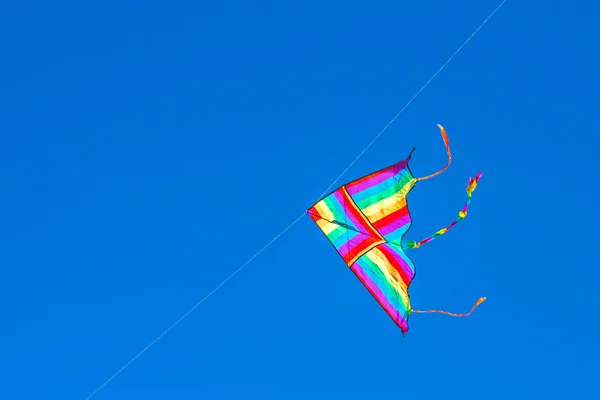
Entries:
{"x":148,"y":150}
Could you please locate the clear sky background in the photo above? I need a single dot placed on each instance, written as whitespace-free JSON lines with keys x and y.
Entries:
{"x":148,"y":149}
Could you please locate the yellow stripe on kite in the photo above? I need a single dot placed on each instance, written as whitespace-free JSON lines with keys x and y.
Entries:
{"x":391,"y":274}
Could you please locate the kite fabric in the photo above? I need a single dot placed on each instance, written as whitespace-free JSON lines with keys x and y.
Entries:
{"x":366,"y":220}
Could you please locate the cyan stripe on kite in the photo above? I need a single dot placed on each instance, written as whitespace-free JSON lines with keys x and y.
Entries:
{"x":345,"y":237}
{"x":337,"y":210}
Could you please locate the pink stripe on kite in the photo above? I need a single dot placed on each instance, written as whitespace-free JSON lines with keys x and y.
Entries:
{"x":354,"y":188}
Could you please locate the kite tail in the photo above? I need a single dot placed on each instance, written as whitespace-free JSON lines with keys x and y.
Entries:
{"x":461,"y":215}
{"x":481,"y":300}
{"x":447,"y":144}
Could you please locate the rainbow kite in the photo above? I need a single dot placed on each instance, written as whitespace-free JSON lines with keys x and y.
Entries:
{"x":366,"y":220}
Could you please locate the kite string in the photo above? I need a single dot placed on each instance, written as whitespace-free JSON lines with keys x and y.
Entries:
{"x":415,"y":96}
{"x":196,"y":306}
{"x":303,"y":213}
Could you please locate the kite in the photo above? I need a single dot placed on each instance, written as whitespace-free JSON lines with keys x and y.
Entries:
{"x":365,"y":220}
